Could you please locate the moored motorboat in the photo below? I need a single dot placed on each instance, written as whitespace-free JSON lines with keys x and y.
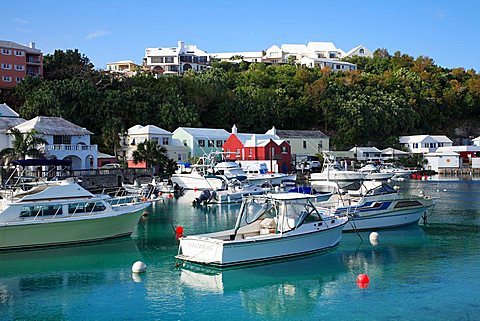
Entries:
{"x":257,"y":174}
{"x":376,"y":205}
{"x":268,"y":227}
{"x":62,"y":212}
{"x":372,"y":173}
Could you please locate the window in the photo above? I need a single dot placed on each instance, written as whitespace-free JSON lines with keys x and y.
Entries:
{"x":250,"y":151}
{"x":337,"y":66}
{"x":402,"y":204}
{"x":18,"y":79}
{"x":165,"y":141}
{"x":361,"y":51}
{"x":62,"y":139}
{"x":415,"y":145}
{"x":320,"y":146}
{"x":41,"y":210}
{"x":155,"y":140}
{"x":332,"y":55}
{"x":201,"y":143}
{"x":169,"y":60}
{"x":85,"y":207}
{"x":304,"y":144}
{"x":19,"y":53}
{"x":7,"y":66}
{"x":19,"y":67}
{"x":184,"y":142}
{"x":219,"y":143}
{"x":6,"y":52}
{"x":7,"y":78}
{"x":211,"y":143}
{"x":284,"y":150}
{"x":238,"y":151}
{"x":156,"y":60}
{"x":228,"y":152}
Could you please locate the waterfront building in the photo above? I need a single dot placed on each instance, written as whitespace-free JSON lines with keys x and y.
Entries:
{"x":201,"y":141}
{"x":176,"y":60}
{"x":367,"y":153}
{"x":18,"y":61}
{"x":467,"y":152}
{"x":125,"y":67}
{"x":65,"y":140}
{"x":303,"y":143}
{"x":424,"y":143}
{"x":248,"y":149}
{"x":392,"y":153}
{"x":436,"y":161}
{"x":139,"y":134}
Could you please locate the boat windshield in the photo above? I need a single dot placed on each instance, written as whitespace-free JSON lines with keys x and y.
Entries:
{"x":258,"y":210}
{"x":298,"y":213}
{"x":380,"y":190}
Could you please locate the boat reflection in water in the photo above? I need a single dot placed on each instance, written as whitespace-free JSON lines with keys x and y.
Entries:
{"x":297,"y":287}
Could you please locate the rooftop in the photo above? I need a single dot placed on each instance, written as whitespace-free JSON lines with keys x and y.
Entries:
{"x":14,"y":45}
{"x":52,"y":126}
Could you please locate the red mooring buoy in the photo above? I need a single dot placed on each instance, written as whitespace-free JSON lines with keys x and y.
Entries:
{"x":362,"y":281}
{"x":179,"y":230}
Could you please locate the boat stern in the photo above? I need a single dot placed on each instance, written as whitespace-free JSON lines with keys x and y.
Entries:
{"x":201,"y":250}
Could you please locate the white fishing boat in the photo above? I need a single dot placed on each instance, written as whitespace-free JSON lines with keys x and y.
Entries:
{"x":62,"y":212}
{"x":334,"y":172}
{"x":372,"y":173}
{"x":269,"y":227}
{"x":397,"y":171}
{"x":208,"y":173}
{"x":257,"y":174}
{"x":376,"y":205}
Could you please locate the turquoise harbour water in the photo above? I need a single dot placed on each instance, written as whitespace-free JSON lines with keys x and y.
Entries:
{"x":424,"y":272}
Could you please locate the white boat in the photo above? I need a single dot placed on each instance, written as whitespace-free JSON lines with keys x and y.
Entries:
{"x":62,"y":212}
{"x":376,"y":205}
{"x":269,"y":227}
{"x":334,"y":172}
{"x":398,"y":172}
{"x":207,"y":173}
{"x":257,"y":174}
{"x":372,"y":173}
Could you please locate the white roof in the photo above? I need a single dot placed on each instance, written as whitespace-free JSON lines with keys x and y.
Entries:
{"x":103,"y":155}
{"x":205,"y":132}
{"x":393,"y":151}
{"x":353,"y":50}
{"x":121,"y":62}
{"x":149,"y":129}
{"x":476,"y":139}
{"x":441,"y":154}
{"x":294,"y":48}
{"x":421,"y":138}
{"x":321,"y":46}
{"x":366,"y":149}
{"x":6,"y":111}
{"x":260,"y":139}
{"x":52,"y":126}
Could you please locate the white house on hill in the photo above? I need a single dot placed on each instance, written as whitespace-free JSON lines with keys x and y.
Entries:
{"x":424,"y":143}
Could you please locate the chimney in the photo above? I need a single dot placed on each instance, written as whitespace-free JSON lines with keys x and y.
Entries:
{"x":181,"y":45}
{"x":32,"y":45}
{"x":234,"y":129}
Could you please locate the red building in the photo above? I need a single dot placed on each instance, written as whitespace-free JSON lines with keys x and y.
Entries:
{"x":17,"y":62}
{"x":252,"y":147}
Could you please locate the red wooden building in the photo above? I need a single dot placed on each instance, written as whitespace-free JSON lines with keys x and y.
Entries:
{"x":252,"y":147}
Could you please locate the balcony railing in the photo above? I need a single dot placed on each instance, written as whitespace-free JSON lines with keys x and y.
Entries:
{"x":64,"y":147}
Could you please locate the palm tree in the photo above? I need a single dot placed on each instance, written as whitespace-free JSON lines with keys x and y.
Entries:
{"x":151,"y":153}
{"x":23,"y":145}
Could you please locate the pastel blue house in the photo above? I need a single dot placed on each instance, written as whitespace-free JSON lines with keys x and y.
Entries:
{"x":201,"y":141}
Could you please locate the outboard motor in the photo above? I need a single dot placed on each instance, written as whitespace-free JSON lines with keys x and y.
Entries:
{"x":204,"y":197}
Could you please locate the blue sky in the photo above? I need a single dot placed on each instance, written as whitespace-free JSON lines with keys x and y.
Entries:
{"x":105,"y":31}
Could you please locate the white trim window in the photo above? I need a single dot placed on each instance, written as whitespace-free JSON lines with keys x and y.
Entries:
{"x":6,"y":52}
{"x":19,"y":53}
{"x":7,"y":79}
{"x":18,"y":79}
{"x":7,"y":66}
{"x":20,"y":67}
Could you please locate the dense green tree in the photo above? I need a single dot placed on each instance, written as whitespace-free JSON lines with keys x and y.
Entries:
{"x":153,"y":154}
{"x":67,"y":64}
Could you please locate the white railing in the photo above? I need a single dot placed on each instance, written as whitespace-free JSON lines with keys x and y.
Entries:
{"x":63,"y":147}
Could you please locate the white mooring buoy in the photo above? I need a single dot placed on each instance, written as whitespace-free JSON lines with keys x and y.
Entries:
{"x":373,"y":238}
{"x":139,"y":267}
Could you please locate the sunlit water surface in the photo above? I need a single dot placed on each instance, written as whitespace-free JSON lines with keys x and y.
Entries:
{"x":424,"y":272}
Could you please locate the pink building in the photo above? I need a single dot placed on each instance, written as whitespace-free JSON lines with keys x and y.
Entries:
{"x":17,"y":62}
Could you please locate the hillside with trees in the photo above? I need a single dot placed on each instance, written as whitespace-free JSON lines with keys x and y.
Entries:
{"x":390,"y":95}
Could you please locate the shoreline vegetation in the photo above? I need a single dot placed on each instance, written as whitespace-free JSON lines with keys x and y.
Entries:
{"x":389,"y":96}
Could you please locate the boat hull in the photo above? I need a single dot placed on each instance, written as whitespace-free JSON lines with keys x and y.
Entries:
{"x":385,"y":219}
{"x":276,"y":179}
{"x":59,"y":231}
{"x":202,"y":250}
{"x":193,"y":182}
